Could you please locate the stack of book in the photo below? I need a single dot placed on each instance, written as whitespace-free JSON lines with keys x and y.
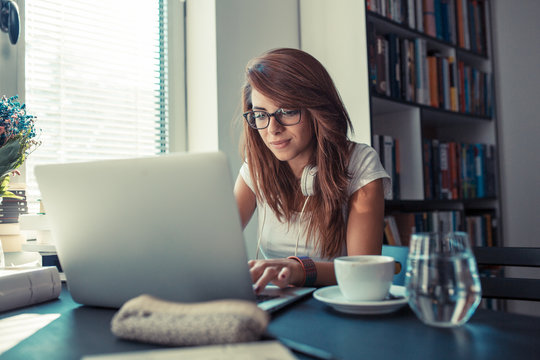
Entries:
{"x":405,"y":69}
{"x":403,"y":224}
{"x":471,"y":25}
{"x":10,"y":210}
{"x":460,"y":22}
{"x":481,"y":229}
{"x":454,"y":170}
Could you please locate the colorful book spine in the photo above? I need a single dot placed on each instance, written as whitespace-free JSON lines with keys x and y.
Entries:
{"x":455,"y":170}
{"x":430,"y":26}
{"x":480,"y":170}
{"x":433,"y":81}
{"x":388,"y":149}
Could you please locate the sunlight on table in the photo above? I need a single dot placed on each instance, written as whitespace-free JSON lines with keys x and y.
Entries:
{"x":15,"y":329}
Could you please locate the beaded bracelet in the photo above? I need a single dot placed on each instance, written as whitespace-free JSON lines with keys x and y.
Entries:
{"x":310,"y":271}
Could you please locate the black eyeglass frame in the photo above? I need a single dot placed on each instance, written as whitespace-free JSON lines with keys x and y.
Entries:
{"x":276,"y":114}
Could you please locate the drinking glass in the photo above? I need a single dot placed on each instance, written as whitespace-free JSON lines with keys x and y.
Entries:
{"x":442,"y":278}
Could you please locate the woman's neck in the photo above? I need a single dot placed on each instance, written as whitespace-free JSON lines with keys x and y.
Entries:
{"x":297,"y":167}
{"x":298,"y":163}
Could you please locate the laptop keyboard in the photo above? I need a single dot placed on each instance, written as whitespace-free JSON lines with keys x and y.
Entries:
{"x":259,"y":298}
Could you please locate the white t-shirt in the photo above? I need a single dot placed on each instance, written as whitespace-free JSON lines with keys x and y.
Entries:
{"x":278,"y":239}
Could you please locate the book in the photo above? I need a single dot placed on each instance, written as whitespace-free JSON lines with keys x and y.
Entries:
{"x":407,"y":64}
{"x":391,"y":222}
{"x":479,"y":161}
{"x":411,"y":15}
{"x":10,"y":229}
{"x":445,"y":84}
{"x":452,"y":21}
{"x":396,"y":179}
{"x":430,"y":27}
{"x":461,"y":85}
{"x":433,"y":79}
{"x":28,"y":286}
{"x":453,"y":84}
{"x":440,"y":80}
{"x":381,"y":52}
{"x":436,"y":168}
{"x":490,"y":171}
{"x":445,"y":185}
{"x":437,"y":10}
{"x":406,"y":225}
{"x":454,"y":169}
{"x":263,"y":350}
{"x":387,"y":157}
{"x":5,"y":213}
{"x":388,"y":235}
{"x":471,"y":171}
{"x":427,"y":168}
{"x":489,"y":229}
{"x":462,"y":23}
{"x":12,"y":243}
{"x":394,"y":65}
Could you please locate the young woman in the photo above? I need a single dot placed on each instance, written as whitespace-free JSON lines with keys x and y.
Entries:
{"x":319,"y":194}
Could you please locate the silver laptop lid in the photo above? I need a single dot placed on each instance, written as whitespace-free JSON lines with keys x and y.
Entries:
{"x":165,"y":225}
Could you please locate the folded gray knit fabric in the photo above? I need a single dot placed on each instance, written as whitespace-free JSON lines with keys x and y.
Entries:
{"x":149,"y":319}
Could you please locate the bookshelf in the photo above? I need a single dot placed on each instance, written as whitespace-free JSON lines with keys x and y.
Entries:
{"x":450,"y":111}
{"x":431,"y":89}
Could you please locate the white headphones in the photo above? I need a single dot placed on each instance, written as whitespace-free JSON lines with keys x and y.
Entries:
{"x":308,"y":180}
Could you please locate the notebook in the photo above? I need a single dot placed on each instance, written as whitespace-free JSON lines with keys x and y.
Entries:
{"x":164,"y":225}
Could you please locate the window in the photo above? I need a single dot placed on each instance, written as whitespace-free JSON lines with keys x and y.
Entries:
{"x":96,"y":78}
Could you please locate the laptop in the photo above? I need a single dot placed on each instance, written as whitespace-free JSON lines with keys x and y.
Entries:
{"x":165,"y":225}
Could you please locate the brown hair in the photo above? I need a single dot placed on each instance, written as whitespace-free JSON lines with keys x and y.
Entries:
{"x":294,"y":79}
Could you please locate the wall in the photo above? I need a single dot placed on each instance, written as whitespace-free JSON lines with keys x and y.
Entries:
{"x":340,"y":49}
{"x":517,"y":50}
{"x":221,"y":36}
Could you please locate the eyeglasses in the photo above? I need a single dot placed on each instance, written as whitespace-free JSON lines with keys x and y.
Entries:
{"x":261,"y":119}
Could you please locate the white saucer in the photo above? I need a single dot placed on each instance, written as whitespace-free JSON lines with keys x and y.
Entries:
{"x":331,"y":295}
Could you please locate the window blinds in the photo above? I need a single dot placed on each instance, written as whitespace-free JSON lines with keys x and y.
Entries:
{"x":96,"y":78}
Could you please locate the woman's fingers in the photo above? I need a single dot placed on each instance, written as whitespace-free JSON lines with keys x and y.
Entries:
{"x":276,"y":271}
{"x":283,"y":278}
{"x":268,"y":275}
{"x":256,"y":269}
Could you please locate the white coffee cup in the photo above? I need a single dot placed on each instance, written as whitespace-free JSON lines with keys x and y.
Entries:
{"x":364,"y":277}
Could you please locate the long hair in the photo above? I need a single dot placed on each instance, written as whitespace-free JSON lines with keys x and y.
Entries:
{"x":294,"y":79}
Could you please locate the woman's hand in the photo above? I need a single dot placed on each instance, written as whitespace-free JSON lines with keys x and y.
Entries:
{"x":280,"y":272}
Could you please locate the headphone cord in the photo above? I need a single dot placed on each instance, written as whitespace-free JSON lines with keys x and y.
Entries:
{"x":260,"y":234}
{"x":262,"y":227}
{"x":299,"y":223}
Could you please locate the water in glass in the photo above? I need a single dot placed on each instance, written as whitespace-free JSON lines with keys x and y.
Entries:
{"x":442,"y":279}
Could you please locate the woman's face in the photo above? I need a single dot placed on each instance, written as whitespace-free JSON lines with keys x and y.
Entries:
{"x":293,"y":144}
